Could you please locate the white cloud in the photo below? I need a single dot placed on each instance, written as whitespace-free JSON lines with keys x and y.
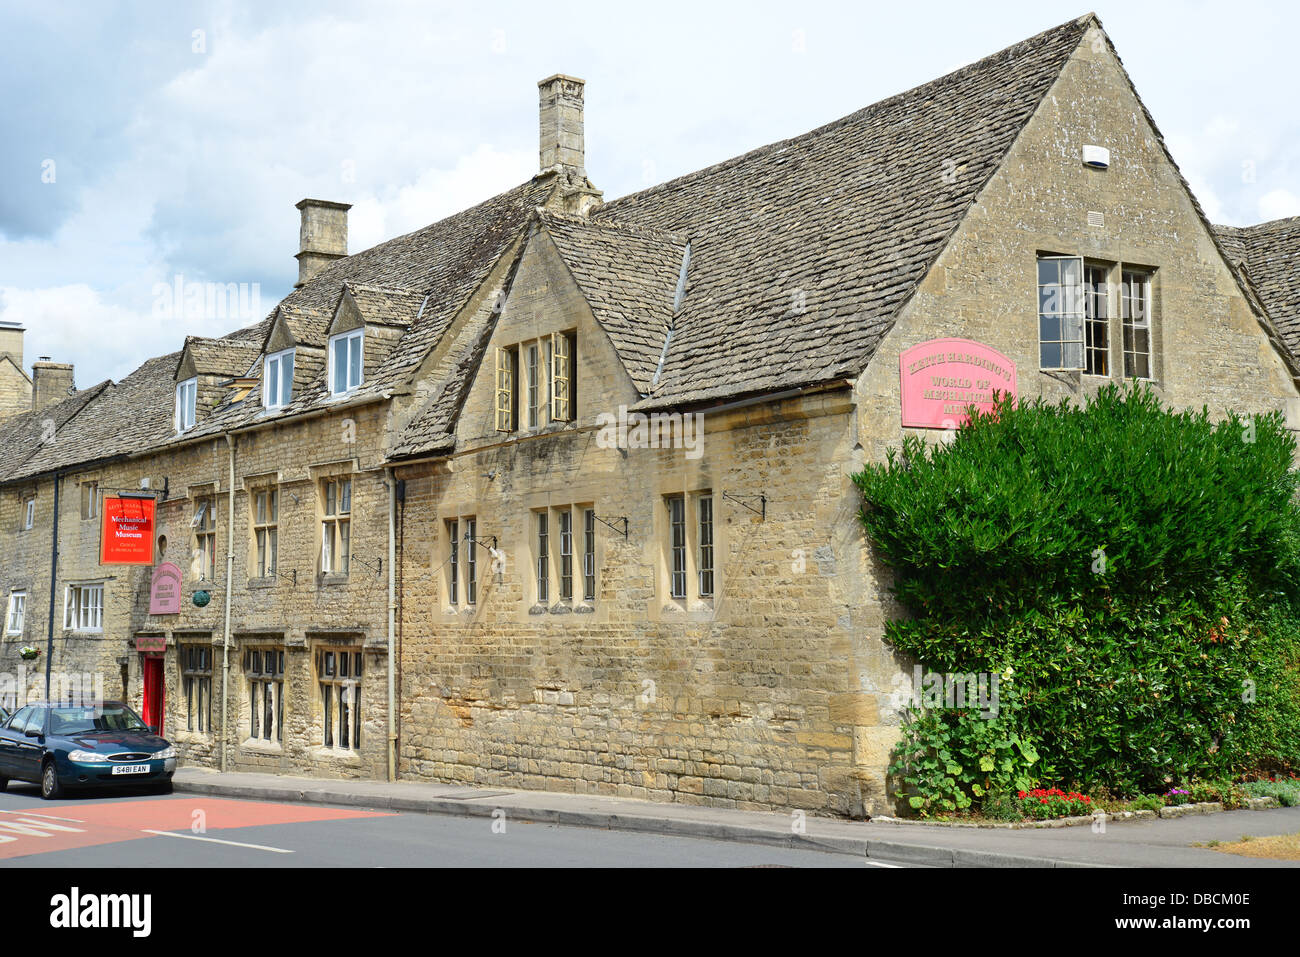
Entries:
{"x":1278,"y":204}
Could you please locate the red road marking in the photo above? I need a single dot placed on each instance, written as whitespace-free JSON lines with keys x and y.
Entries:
{"x":85,"y":825}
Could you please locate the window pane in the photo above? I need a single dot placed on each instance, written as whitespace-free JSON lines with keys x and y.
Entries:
{"x":1049,"y":355}
{"x":286,"y":379}
{"x":354,"y":362}
{"x":340,"y":383}
{"x":1048,"y":271}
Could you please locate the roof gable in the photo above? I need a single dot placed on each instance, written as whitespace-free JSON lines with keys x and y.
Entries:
{"x":802,"y":252}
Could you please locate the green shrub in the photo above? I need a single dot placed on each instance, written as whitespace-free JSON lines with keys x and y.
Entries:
{"x":1139,"y":567}
{"x":952,"y":759}
{"x":1147,"y":802}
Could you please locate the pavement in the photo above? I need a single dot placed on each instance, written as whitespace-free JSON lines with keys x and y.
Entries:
{"x":1148,"y":843}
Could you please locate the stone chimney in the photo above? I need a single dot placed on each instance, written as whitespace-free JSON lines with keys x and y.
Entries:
{"x":561,"y":147}
{"x":561,"y":123}
{"x":15,"y":387}
{"x":322,"y":238}
{"x":51,"y":382}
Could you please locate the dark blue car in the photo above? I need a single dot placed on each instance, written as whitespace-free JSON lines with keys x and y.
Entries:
{"x":62,"y":746}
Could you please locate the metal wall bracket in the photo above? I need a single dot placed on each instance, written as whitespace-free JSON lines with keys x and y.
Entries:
{"x":614,"y":524}
{"x":738,"y":499}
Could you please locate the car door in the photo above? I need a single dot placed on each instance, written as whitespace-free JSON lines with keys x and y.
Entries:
{"x":30,"y":749}
{"x":10,"y":733}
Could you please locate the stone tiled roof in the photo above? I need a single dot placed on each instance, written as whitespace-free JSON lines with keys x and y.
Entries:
{"x":629,"y":277}
{"x":307,"y":326}
{"x":386,"y":305}
{"x":24,"y":436}
{"x":1269,"y":256}
{"x":803,"y":252}
{"x":226,"y":357}
{"x":133,"y":415}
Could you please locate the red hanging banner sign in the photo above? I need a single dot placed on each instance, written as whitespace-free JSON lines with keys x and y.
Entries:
{"x":126,"y":537}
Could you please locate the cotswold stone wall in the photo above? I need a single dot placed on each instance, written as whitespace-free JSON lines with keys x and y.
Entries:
{"x":318,"y":611}
{"x":748,"y":699}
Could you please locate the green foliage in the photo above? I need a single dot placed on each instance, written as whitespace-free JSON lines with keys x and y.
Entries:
{"x":1146,"y":802}
{"x":1286,"y":790}
{"x":1139,"y":567}
{"x":950,"y":759}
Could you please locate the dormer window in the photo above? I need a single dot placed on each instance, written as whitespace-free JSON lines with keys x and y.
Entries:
{"x":186,"y":398}
{"x":277,"y":380}
{"x":345,"y":362}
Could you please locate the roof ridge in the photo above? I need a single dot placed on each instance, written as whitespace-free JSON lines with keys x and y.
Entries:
{"x":1077,"y":23}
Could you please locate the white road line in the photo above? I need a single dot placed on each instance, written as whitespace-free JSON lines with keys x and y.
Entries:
{"x":216,"y":840}
{"x":53,"y":817}
{"x":882,"y":864}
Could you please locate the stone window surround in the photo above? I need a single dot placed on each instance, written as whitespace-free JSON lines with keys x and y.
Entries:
{"x":88,"y":602}
{"x":91,"y":498}
{"x":198,"y":675}
{"x":1115,"y":270}
{"x":254,"y":484}
{"x":320,"y":474}
{"x":469,"y":557}
{"x":351,"y":642}
{"x":263,"y":644}
{"x":693,"y":605}
{"x":556,"y":603}
{"x":515,"y":390}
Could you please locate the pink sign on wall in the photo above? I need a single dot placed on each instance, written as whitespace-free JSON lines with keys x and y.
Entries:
{"x":165,"y":592}
{"x":942,"y":377}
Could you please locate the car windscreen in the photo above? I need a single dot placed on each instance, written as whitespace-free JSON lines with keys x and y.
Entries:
{"x":85,"y":719}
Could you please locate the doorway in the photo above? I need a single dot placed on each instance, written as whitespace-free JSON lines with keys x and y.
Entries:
{"x":154,"y":690}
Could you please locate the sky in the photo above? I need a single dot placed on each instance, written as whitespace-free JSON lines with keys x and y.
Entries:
{"x":144,"y":145}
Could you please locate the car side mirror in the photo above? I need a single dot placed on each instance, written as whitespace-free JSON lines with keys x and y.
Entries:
{"x":32,"y":733}
{"x":153,"y":729}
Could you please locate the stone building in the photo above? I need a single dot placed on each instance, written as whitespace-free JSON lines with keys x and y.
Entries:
{"x":556,"y":492}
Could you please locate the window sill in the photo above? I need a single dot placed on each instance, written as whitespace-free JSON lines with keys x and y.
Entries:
{"x":192,"y":737}
{"x":328,"y":578}
{"x":456,"y":611}
{"x":262,"y":583}
{"x":261,"y":746}
{"x":348,"y":755}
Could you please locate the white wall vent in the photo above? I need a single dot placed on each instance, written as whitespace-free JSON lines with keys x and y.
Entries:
{"x":1096,"y":218}
{"x":1097,"y":157}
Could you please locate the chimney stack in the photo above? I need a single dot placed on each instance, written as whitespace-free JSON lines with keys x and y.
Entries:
{"x":561,"y":124}
{"x":51,"y":382}
{"x":322,"y":238}
{"x":15,"y":387}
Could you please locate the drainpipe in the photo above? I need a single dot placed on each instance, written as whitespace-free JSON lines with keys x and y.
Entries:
{"x":54,"y":577}
{"x":392,"y":623}
{"x":230,"y":575}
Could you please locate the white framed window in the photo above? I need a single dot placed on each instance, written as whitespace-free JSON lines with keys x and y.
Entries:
{"x":336,"y":527}
{"x":345,"y":372}
{"x":204,"y":524}
{"x":277,"y":380}
{"x":1135,"y":313}
{"x":588,"y":554}
{"x":677,"y":546}
{"x":1097,"y":325}
{"x":89,"y":500}
{"x":453,"y":561}
{"x":1061,"y":313}
{"x":17,"y":612}
{"x":187,"y":394}
{"x":535,"y":382}
{"x":29,"y":513}
{"x":84,"y":607}
{"x":266,"y":530}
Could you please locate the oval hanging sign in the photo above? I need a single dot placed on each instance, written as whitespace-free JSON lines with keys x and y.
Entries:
{"x":942,"y":377}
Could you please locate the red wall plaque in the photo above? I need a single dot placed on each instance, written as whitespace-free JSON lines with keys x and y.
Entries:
{"x":940,"y":378}
{"x":126,"y":536}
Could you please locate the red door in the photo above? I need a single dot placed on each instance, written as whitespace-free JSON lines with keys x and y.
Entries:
{"x":153,"y":693}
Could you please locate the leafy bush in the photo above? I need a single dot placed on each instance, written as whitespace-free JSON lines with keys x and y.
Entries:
{"x":1287,"y":791}
{"x":1147,"y":802}
{"x":950,"y":759}
{"x":1139,"y":567}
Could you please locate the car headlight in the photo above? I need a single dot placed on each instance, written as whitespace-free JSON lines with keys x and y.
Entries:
{"x":87,"y":757}
{"x":167,"y":752}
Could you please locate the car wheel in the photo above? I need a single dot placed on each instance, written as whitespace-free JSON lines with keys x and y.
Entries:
{"x":51,"y":789}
